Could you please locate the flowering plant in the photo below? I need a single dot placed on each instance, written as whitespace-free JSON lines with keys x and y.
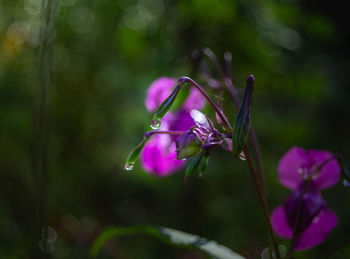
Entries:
{"x":187,"y":133}
{"x":304,"y":216}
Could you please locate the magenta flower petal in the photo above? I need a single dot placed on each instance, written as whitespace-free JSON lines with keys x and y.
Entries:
{"x":291,"y":163}
{"x":195,"y":101}
{"x":158,"y":91}
{"x":330,"y":172}
{"x":159,"y":154}
{"x":181,"y":120}
{"x":280,"y":224}
{"x":318,"y":231}
{"x":159,"y":157}
{"x":308,"y":204}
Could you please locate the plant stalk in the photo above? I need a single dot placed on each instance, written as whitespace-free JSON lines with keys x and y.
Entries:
{"x":262,"y":201}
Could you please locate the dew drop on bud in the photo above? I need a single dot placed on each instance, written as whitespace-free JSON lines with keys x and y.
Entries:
{"x":129,"y":167}
{"x":346,"y":183}
{"x":242,"y":156}
{"x":155,"y":124}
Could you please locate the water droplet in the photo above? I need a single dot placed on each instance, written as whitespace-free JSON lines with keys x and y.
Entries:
{"x":155,"y":124}
{"x":346,"y":183}
{"x":129,"y":167}
{"x":242,"y":156}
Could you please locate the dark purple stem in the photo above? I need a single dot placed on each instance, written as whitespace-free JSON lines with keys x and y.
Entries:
{"x":260,"y":182}
{"x":295,"y":226}
{"x":252,"y":135}
{"x":335,"y":249}
{"x":168,"y":132}
{"x":262,"y":201}
{"x":234,"y":95}
{"x":203,"y":92}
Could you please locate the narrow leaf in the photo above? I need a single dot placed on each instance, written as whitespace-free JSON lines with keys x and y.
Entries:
{"x":170,"y":236}
{"x":242,"y":122}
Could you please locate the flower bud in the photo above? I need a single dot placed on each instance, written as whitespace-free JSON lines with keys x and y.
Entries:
{"x":242,"y":122}
{"x":187,"y":145}
{"x":134,"y":155}
{"x":164,"y":108}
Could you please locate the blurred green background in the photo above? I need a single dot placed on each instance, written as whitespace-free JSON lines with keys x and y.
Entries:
{"x":104,"y":54}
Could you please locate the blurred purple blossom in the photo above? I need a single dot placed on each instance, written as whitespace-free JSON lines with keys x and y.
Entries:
{"x":158,"y":91}
{"x":304,"y":214}
{"x":158,"y":156}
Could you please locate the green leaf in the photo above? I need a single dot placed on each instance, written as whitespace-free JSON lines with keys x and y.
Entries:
{"x":170,"y":236}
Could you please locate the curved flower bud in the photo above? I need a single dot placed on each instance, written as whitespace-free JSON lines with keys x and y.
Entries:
{"x":158,"y":91}
{"x":134,"y":155}
{"x":242,"y":122}
{"x":164,"y":108}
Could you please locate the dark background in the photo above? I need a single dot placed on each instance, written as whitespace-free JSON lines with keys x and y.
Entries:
{"x":104,"y":56}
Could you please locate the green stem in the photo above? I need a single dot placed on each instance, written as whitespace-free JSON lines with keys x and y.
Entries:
{"x":262,"y":201}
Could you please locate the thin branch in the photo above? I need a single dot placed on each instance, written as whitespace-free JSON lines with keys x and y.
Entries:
{"x":335,"y":249}
{"x":167,"y":132}
{"x":212,"y":103}
{"x":226,"y":75}
{"x":262,"y":201}
{"x":252,"y":135}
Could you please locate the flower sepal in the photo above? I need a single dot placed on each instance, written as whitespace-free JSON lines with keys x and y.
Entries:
{"x":187,"y":145}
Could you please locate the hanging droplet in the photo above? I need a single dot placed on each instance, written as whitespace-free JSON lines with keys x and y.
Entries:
{"x":242,"y":156}
{"x":346,"y":183}
{"x":155,"y":124}
{"x":129,"y":167}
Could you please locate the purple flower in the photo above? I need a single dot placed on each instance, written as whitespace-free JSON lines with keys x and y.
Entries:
{"x":158,"y":91}
{"x":158,"y":156}
{"x":305,"y":213}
